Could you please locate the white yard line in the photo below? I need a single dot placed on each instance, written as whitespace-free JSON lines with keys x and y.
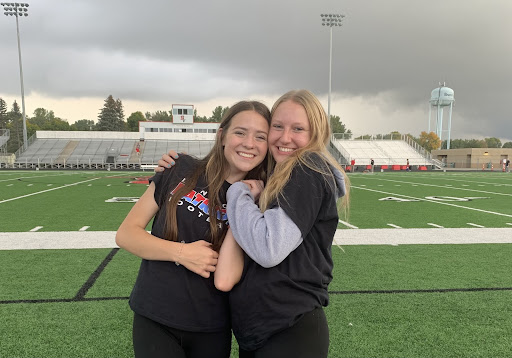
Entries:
{"x":37,"y":228}
{"x":435,"y":225}
{"x":442,"y":186}
{"x":63,"y":186}
{"x":475,"y":225}
{"x":84,"y":228}
{"x":394,"y":226}
{"x":47,"y":190}
{"x":434,"y":201}
{"x":452,"y":179}
{"x":106,"y":239}
{"x":347,"y":224}
{"x":423,"y":236}
{"x":37,"y":176}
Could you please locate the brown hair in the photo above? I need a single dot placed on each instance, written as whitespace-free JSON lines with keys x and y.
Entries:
{"x":214,"y":166}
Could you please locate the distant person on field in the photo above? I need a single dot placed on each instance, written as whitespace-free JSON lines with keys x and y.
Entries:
{"x":372,"y":163}
{"x":408,"y":167}
{"x":508,"y":165}
{"x":178,"y":312}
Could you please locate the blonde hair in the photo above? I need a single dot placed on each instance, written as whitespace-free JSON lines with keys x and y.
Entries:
{"x":320,"y":134}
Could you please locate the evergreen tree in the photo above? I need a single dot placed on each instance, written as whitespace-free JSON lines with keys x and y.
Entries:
{"x":218,"y":114}
{"x":3,"y":114}
{"x":507,"y":145}
{"x":15,"y":125}
{"x":111,"y":117}
{"x":336,"y":125}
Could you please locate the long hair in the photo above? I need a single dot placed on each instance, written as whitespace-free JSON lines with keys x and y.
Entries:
{"x":214,"y":167}
{"x":320,"y":133}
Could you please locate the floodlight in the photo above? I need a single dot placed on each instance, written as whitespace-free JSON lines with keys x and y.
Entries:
{"x":17,"y":10}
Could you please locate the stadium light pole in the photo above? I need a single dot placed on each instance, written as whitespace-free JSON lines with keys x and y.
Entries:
{"x":331,"y":20}
{"x":19,"y":10}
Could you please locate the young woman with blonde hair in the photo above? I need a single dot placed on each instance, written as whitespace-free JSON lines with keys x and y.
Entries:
{"x":276,"y":307}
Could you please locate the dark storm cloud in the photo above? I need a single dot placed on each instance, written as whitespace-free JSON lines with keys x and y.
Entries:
{"x":199,"y":50}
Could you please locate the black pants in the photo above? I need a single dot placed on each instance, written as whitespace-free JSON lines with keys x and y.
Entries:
{"x":154,"y":340}
{"x":308,"y":338}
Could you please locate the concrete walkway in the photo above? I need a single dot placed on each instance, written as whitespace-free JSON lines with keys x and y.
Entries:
{"x":106,"y":239}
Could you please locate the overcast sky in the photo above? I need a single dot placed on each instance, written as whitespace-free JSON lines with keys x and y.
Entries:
{"x":387,"y":58}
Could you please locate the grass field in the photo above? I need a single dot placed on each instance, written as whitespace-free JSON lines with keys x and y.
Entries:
{"x":385,"y":301}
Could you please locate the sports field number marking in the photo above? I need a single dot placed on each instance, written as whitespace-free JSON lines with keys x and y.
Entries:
{"x":434,"y":201}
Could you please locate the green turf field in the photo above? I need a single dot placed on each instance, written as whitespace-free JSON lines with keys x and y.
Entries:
{"x":386,"y":301}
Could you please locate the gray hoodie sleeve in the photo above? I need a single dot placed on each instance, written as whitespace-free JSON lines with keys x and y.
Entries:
{"x":269,"y":237}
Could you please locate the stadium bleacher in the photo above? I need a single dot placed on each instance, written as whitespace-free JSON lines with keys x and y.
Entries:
{"x":116,"y":150}
{"x":126,"y":150}
{"x":387,"y":154}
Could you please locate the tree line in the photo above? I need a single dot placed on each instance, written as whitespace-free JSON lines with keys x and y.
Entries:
{"x":111,"y":118}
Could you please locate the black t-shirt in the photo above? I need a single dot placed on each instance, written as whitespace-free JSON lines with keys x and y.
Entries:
{"x":269,"y":300}
{"x":170,"y":294}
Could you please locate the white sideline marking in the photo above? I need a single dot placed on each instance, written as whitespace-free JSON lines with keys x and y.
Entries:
{"x":30,"y":184}
{"x":465,"y":185}
{"x":475,"y":225}
{"x":10,"y":184}
{"x":439,"y":186}
{"x":47,"y":190}
{"x":83,"y":228}
{"x":37,"y":228}
{"x":347,"y":224}
{"x":435,"y":225}
{"x":509,"y":224}
{"x":395,"y":226}
{"x":50,"y":185}
{"x":435,"y":201}
{"x":109,"y":184}
{"x":89,"y":185}
{"x":343,"y":237}
{"x":39,"y":176}
{"x":428,"y":236}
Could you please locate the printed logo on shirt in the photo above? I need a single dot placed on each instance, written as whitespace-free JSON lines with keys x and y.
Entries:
{"x":198,"y":201}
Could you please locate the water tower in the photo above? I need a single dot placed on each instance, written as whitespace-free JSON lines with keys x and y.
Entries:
{"x":441,"y":97}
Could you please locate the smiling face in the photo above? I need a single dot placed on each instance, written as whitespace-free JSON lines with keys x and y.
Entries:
{"x":289,"y":130}
{"x":245,"y":143}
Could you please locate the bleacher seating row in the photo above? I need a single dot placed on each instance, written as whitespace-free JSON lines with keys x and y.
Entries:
{"x":98,"y":153}
{"x":120,"y":150}
{"x":386,"y":153}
